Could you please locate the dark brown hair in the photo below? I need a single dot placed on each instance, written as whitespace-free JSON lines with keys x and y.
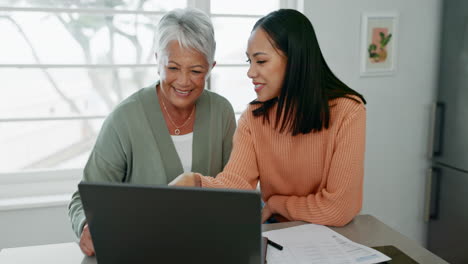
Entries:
{"x":309,"y":84}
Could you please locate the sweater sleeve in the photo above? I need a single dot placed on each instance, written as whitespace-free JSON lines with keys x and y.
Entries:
{"x":241,"y":171}
{"x":341,"y":198}
{"x":107,"y":163}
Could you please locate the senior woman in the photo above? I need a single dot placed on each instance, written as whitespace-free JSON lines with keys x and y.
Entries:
{"x":171,"y":127}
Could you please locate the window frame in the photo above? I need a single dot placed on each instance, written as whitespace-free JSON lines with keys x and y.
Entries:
{"x":48,"y":187}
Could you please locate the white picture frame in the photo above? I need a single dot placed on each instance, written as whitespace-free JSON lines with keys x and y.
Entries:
{"x":379,"y":34}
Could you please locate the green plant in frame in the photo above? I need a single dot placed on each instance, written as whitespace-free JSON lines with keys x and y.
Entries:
{"x":372,"y":48}
{"x":384,"y":40}
{"x":379,"y":54}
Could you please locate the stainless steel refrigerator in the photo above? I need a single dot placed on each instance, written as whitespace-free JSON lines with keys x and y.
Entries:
{"x":447,"y":208}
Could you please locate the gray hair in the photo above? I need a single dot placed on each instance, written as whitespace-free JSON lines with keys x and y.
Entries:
{"x":191,"y":28}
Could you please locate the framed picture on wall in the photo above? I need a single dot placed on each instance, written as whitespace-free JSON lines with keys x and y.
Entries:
{"x":378,"y":43}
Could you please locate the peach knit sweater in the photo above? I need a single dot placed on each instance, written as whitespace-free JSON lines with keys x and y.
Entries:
{"x":316,"y":177}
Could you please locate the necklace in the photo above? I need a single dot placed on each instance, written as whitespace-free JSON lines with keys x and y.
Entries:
{"x":177,"y":130}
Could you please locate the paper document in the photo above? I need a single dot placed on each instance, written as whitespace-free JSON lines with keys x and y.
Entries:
{"x":360,"y":254}
{"x":312,"y":244}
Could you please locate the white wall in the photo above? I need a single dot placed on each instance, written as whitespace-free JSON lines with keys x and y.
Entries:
{"x":398,"y":109}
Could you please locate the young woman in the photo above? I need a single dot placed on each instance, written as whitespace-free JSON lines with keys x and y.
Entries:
{"x":303,"y":137}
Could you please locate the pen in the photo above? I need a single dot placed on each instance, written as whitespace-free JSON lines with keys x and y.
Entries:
{"x":275,"y":245}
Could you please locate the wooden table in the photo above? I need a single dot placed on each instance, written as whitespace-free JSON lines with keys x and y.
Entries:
{"x":364,"y":229}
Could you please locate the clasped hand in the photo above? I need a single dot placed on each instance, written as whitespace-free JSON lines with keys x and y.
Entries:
{"x":187,"y":179}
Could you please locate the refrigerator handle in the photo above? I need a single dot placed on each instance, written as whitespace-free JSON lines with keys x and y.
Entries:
{"x":430,"y":149}
{"x":439,"y":123}
{"x":427,"y":198}
{"x":432,"y":194}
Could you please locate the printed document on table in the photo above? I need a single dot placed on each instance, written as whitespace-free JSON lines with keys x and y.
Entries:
{"x":312,"y":243}
{"x":361,"y":254}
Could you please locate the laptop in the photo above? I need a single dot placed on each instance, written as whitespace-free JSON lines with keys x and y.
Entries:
{"x":160,"y":224}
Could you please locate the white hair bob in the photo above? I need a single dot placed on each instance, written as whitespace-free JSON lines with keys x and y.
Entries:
{"x":191,"y":28}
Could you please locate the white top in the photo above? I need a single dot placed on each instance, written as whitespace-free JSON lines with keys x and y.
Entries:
{"x":183,"y":146}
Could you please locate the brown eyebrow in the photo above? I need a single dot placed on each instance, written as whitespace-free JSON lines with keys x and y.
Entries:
{"x":256,"y":54}
{"x":173,"y":62}
{"x":194,"y":66}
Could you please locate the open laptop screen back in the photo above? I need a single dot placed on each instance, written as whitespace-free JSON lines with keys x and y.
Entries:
{"x":160,"y":224}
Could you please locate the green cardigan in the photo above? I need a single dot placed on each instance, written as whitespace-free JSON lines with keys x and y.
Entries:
{"x":134,"y":145}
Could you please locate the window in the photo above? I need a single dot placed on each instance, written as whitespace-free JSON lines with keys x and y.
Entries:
{"x":233,"y":22}
{"x":65,"y":64}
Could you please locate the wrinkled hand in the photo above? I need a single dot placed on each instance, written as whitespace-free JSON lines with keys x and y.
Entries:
{"x":86,"y":243}
{"x":187,"y":179}
{"x":266,"y":213}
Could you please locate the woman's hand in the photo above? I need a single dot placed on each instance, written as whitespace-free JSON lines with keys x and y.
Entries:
{"x":86,"y":243}
{"x":266,"y":213}
{"x":188,"y":179}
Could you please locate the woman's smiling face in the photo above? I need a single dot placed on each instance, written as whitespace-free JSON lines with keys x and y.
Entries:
{"x":183,"y":75}
{"x":267,"y":65}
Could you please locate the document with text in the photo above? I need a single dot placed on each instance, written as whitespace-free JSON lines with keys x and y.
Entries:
{"x":312,"y":244}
